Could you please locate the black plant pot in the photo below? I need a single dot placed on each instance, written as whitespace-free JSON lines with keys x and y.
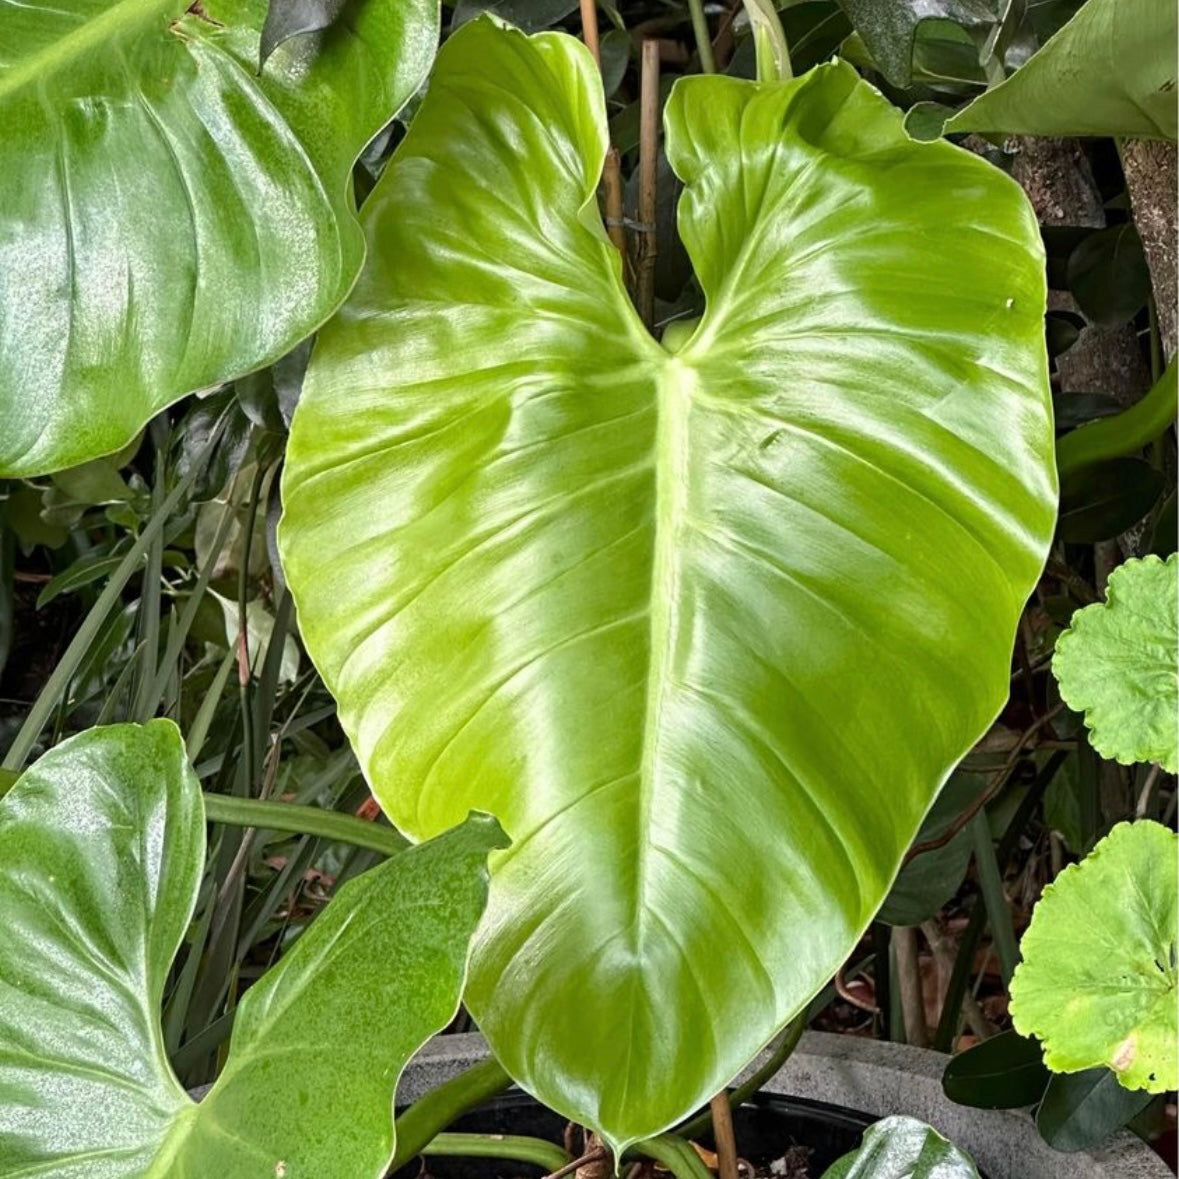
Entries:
{"x":765,"y":1127}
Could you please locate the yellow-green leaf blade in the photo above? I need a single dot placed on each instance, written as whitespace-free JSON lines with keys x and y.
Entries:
{"x":653,"y":610}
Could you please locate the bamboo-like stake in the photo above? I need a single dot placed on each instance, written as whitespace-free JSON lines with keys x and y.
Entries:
{"x":612,"y":166}
{"x":726,"y":1140}
{"x":648,"y":173}
{"x":589,"y":29}
{"x":904,"y":942}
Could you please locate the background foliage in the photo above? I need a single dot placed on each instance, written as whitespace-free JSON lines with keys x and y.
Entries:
{"x":146,"y":583}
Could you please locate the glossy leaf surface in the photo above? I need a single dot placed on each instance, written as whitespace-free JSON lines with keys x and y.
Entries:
{"x":654,"y":605}
{"x":904,"y":1148}
{"x":101,"y":852}
{"x":1098,"y":979}
{"x":295,"y":18}
{"x":889,"y":29}
{"x":1109,"y":71}
{"x":102,"y":843}
{"x":173,"y":219}
{"x":1119,"y":664}
{"x":319,"y":1044}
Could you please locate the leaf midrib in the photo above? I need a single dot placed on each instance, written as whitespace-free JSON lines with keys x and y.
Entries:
{"x":87,"y":40}
{"x":674,"y":383}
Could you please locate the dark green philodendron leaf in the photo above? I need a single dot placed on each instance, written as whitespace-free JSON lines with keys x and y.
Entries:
{"x":930,"y":878}
{"x":1119,"y":664}
{"x":173,"y":218}
{"x":1081,"y":1110}
{"x":101,"y":854}
{"x":706,"y":624}
{"x":1108,"y":275}
{"x":903,"y":1148}
{"x":888,"y":30}
{"x":1098,"y":980}
{"x":1004,"y":1072}
{"x":1105,"y":498}
{"x":294,"y":18}
{"x":1110,"y":71}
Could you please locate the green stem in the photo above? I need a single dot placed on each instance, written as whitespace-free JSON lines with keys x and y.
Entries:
{"x":703,"y":37}
{"x":743,"y":1092}
{"x":676,"y":1154}
{"x":947,"y":1027}
{"x":303,"y":820}
{"x":1156,"y":343}
{"x":144,"y":703}
{"x":991,"y":883}
{"x":769,"y":42}
{"x":429,"y":1115}
{"x":58,"y":683}
{"x":179,"y":635}
{"x":1122,"y":434}
{"x":534,"y":1151}
{"x":199,"y":729}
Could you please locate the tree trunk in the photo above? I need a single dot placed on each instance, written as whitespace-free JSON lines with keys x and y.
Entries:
{"x":1151,"y":181}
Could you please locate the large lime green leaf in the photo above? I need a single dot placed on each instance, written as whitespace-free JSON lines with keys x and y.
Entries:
{"x":1110,"y":71}
{"x":1119,"y":664}
{"x":171,"y":218}
{"x":101,"y":851}
{"x":1098,"y":980}
{"x":707,"y":628}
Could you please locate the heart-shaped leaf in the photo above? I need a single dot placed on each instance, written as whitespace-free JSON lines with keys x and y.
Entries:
{"x":1098,"y":978}
{"x":1119,"y":664}
{"x":706,"y":624}
{"x":101,"y":853}
{"x":904,"y":1148}
{"x":173,"y":219}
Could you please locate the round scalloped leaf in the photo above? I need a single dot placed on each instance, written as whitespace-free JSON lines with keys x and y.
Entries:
{"x":1119,"y":664}
{"x":1098,"y":979}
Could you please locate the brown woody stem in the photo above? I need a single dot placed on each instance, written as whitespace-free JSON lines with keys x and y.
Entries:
{"x":648,"y":173}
